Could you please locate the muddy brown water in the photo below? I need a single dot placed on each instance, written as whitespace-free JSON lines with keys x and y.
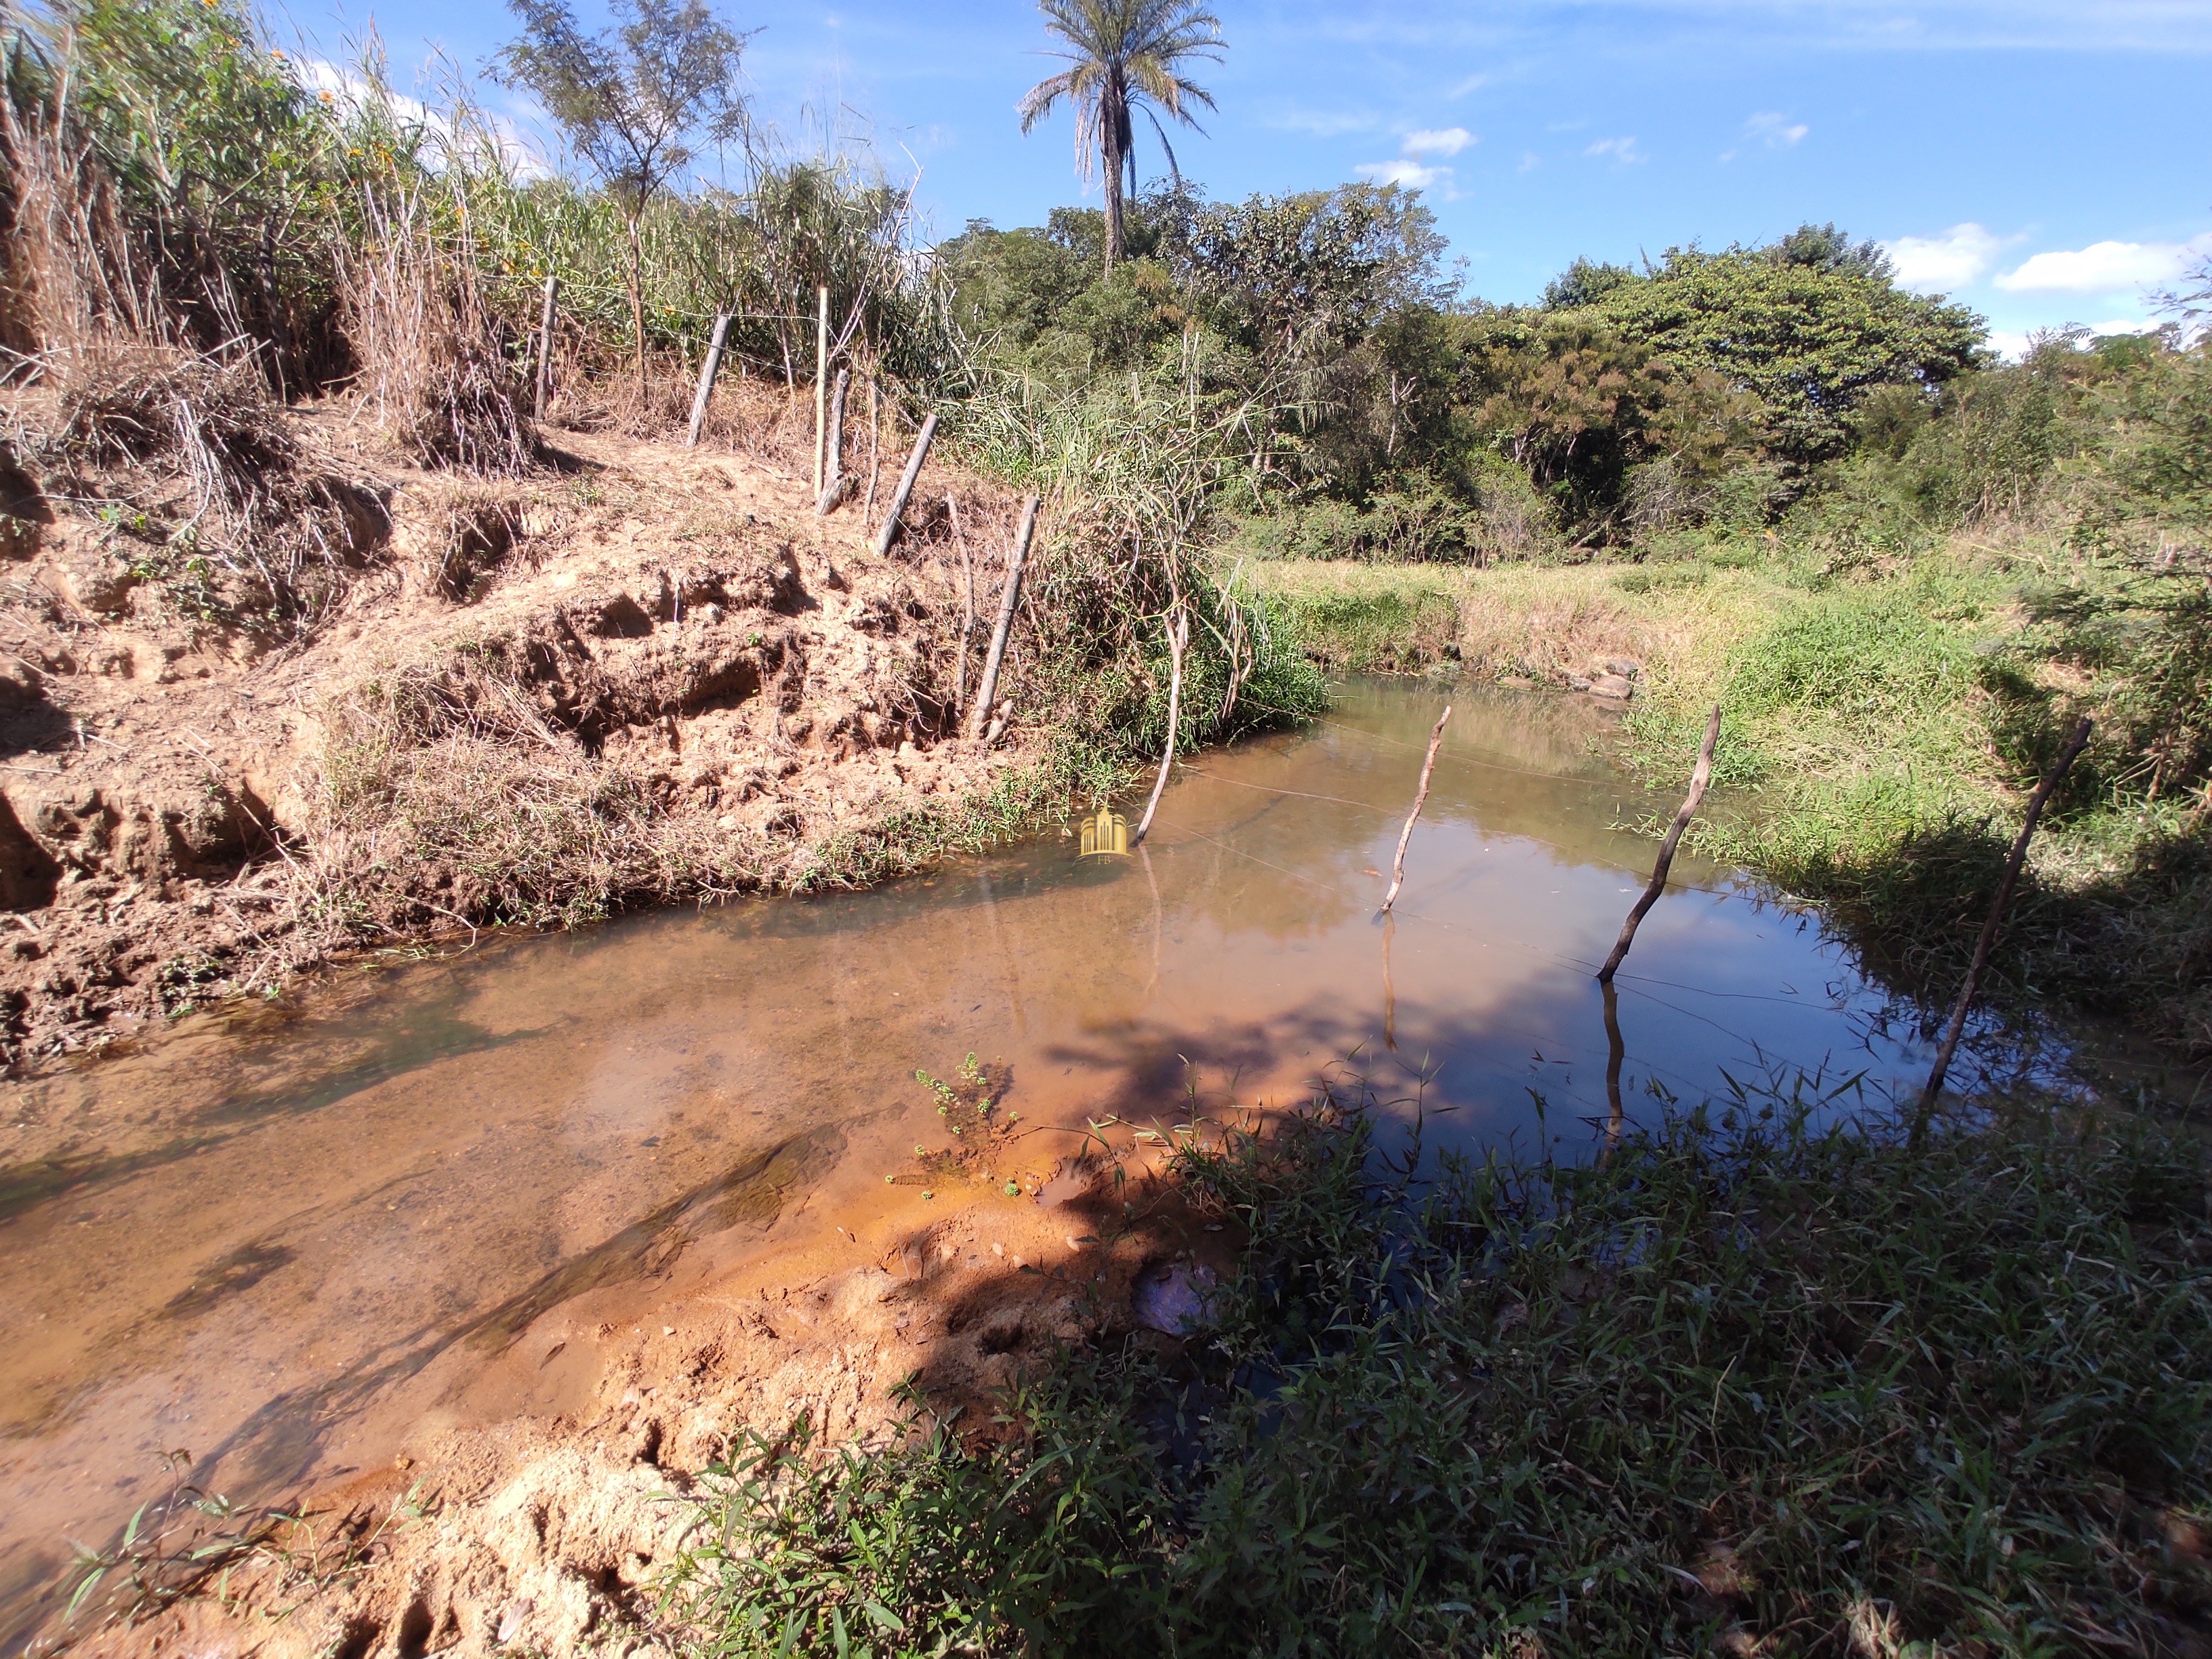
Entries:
{"x":285,"y":1243}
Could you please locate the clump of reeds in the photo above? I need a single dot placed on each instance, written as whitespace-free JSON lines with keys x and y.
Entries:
{"x":1130,"y":484}
{"x":66,"y":269}
{"x":432,"y":366}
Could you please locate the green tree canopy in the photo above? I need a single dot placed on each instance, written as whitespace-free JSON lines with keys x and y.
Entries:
{"x":634,"y":100}
{"x":1122,"y":56}
{"x":1808,"y":337}
{"x":1311,"y":271}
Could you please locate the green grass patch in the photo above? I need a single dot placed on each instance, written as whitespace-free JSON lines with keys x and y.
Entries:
{"x":1389,"y":629}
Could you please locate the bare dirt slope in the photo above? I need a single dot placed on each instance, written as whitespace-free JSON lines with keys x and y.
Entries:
{"x":561,"y":1533}
{"x":647,"y":673}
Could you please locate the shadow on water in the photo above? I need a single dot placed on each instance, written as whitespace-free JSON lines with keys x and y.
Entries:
{"x":2132,"y":945}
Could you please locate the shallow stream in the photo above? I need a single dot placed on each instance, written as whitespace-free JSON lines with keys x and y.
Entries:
{"x":281,"y":1242}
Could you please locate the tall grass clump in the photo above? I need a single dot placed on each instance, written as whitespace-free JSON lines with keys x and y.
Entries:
{"x":1131,"y":480}
{"x":433,"y":367}
{"x":1748,"y":1382}
{"x":167,"y":180}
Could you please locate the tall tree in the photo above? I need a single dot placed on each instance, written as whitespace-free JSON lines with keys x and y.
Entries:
{"x":1123,"y":55}
{"x":633,"y":102}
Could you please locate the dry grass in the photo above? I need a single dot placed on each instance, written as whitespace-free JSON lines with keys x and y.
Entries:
{"x":431,"y":366}
{"x":453,"y":533}
{"x":447,"y":795}
{"x":1543,"y":622}
{"x":67,"y":276}
{"x":225,"y":485}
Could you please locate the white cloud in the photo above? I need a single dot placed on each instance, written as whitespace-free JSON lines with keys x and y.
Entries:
{"x":1448,"y":141}
{"x":486,"y":138}
{"x":1621,"y":150}
{"x":2104,"y":267}
{"x":1772,"y":129}
{"x":1530,"y":161}
{"x":1324,"y":124}
{"x":1412,"y":174}
{"x":1942,"y":263}
{"x":1775,"y":131}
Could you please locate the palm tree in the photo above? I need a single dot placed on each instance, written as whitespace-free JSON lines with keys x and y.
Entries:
{"x":1123,"y":55}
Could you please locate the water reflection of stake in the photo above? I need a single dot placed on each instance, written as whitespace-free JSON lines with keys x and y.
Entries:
{"x":1389,"y":989}
{"x":1615,"y":1051}
{"x":1105,"y":835}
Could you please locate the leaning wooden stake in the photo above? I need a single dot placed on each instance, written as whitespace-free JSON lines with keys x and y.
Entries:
{"x":875,"y":454}
{"x":1007,"y":601}
{"x":1178,"y":636}
{"x":545,"y":350}
{"x":967,"y":608}
{"x":1698,"y":779}
{"x":889,"y":533}
{"x":821,"y":381}
{"x":1996,"y":920}
{"x":833,"y":470}
{"x":1420,"y":796}
{"x":708,"y":371}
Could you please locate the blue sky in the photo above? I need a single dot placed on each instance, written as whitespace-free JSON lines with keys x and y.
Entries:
{"x":2043,"y":161}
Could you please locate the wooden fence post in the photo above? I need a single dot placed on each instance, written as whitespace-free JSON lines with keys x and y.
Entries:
{"x":821,"y":381}
{"x":708,"y":371}
{"x":989,"y":684}
{"x":833,"y":467}
{"x":889,"y":533}
{"x":967,"y":609}
{"x":545,"y":350}
{"x":1698,"y":779}
{"x":875,"y":451}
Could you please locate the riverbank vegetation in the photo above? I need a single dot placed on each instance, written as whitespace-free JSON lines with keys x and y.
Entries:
{"x":200,"y":230}
{"x":1749,"y":1384}
{"x":274,"y":384}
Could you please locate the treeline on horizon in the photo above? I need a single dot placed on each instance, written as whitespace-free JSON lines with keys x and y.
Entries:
{"x":215,"y":191}
{"x":1709,"y":389}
